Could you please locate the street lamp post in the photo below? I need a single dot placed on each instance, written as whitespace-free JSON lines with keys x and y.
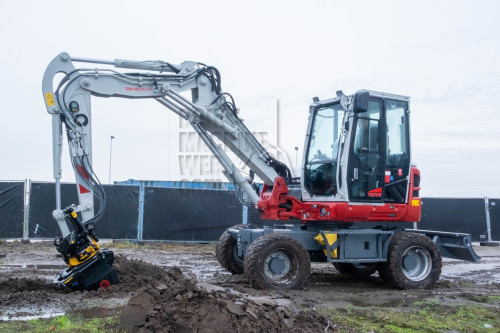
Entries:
{"x":110,"y":155}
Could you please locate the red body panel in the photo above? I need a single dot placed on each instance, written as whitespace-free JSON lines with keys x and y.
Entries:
{"x":278,"y":205}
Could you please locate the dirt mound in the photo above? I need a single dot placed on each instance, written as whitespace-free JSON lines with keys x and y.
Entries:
{"x":135,"y":274}
{"x":15,"y":284}
{"x":25,"y":296}
{"x":27,"y":291}
{"x":170,"y":302}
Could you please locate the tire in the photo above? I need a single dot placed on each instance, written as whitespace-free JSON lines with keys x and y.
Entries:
{"x":275,"y":261}
{"x":227,"y":252}
{"x":355,"y":269}
{"x":413,"y":262}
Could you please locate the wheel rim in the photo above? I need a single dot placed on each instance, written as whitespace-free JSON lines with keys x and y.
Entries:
{"x":416,"y":263}
{"x":277,"y":266}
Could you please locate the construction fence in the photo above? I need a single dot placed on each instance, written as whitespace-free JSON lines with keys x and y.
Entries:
{"x":189,"y":211}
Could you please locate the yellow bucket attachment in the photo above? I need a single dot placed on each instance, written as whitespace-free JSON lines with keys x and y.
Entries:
{"x":331,"y":238}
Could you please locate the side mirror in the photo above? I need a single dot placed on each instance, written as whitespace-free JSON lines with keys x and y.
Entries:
{"x":343,"y":100}
{"x":361,"y":101}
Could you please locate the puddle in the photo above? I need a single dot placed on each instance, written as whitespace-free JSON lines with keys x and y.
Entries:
{"x":30,"y":312}
{"x":485,"y":272}
{"x":34,"y":266}
{"x":27,"y":314}
{"x":31,"y":317}
{"x":96,"y":308}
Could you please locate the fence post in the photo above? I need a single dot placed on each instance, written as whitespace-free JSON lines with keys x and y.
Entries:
{"x":245,"y":215}
{"x":488,"y":242}
{"x":140,"y":222}
{"x":26,"y":219}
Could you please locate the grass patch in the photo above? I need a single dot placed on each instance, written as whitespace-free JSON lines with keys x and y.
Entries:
{"x":427,"y":317}
{"x":466,"y":283}
{"x":493,"y":298}
{"x":125,"y":244}
{"x":485,"y":299}
{"x":66,"y":323}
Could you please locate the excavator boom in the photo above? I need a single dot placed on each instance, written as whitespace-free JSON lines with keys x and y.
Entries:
{"x":211,"y":112}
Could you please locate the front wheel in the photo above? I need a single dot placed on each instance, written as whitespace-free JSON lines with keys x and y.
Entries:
{"x":276,"y":261}
{"x":413,"y":262}
{"x":227,"y":251}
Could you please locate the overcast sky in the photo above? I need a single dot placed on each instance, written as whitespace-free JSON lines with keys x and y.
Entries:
{"x":444,"y":54}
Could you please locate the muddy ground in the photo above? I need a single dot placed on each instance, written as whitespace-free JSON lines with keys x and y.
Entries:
{"x":193,"y":290}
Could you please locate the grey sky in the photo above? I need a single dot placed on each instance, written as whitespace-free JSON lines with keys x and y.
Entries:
{"x":444,"y":54}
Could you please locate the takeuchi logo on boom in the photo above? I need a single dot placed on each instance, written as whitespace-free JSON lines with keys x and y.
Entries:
{"x":138,"y":88}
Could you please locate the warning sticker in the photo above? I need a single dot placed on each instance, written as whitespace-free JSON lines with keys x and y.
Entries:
{"x":387,"y":176}
{"x":415,"y":202}
{"x":49,"y":98}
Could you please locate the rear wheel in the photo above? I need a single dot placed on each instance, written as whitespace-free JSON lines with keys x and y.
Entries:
{"x":227,"y":252}
{"x":355,"y":269}
{"x":275,"y":261}
{"x":413,"y":262}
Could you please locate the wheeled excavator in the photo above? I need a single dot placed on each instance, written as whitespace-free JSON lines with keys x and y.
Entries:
{"x":356,"y":168}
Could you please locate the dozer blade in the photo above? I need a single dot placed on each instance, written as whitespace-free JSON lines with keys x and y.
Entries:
{"x":90,"y":275}
{"x":452,"y":245}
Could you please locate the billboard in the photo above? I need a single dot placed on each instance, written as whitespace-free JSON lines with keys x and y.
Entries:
{"x":191,"y":160}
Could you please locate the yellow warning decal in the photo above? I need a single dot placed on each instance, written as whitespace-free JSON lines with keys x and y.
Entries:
{"x":415,"y":202}
{"x":49,"y":98}
{"x":73,"y":214}
{"x":330,"y":238}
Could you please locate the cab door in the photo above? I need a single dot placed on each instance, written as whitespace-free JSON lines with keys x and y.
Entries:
{"x":379,"y":154}
{"x":366,"y":158}
{"x":397,"y":151}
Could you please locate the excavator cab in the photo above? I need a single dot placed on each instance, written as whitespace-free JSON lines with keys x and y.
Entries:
{"x":358,"y":149}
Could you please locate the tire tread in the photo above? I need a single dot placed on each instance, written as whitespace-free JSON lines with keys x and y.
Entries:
{"x":257,"y":252}
{"x":390,"y":271}
{"x":224,"y":251}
